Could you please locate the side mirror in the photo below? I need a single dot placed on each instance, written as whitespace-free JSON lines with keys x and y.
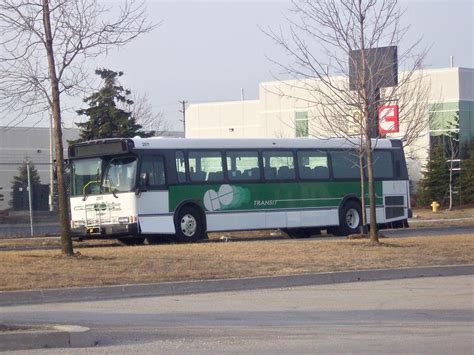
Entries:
{"x":144,"y":181}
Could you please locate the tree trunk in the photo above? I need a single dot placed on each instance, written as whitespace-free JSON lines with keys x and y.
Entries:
{"x":66,"y":242}
{"x":363,"y":227}
{"x":374,"y":235}
{"x":451,"y":185}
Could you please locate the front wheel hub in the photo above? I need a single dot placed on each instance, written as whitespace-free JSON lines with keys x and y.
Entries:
{"x":188,"y":225}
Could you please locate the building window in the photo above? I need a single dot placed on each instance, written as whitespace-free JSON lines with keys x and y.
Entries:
{"x":452,"y":122}
{"x":301,"y":124}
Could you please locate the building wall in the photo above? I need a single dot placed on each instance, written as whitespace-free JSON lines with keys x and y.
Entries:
{"x":226,"y":119}
{"x":18,"y":144}
{"x":275,"y":113}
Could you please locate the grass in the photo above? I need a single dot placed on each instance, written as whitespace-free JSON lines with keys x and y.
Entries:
{"x":149,"y":263}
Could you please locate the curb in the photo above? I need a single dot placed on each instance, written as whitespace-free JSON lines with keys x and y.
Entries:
{"x":82,"y":294}
{"x":56,"y":336}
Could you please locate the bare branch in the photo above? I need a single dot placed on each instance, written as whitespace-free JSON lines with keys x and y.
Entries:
{"x":318,"y":39}
{"x":44,"y":45}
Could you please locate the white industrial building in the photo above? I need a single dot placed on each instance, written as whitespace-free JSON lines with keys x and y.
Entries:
{"x":276,"y":114}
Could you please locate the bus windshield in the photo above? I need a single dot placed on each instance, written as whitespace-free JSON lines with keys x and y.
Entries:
{"x":120,"y":175}
{"x":87,"y":177}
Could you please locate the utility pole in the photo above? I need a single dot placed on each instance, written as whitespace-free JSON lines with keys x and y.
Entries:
{"x":51,"y":164}
{"x":30,"y":199}
{"x":183,"y":111}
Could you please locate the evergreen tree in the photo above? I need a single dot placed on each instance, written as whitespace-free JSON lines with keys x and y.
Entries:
{"x":466,"y":178}
{"x":435,"y":182}
{"x":106,"y":113}
{"x":22,"y":178}
{"x":20,"y":181}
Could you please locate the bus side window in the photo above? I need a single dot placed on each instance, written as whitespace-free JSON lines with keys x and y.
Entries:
{"x":155,"y":167}
{"x":345,"y":164}
{"x":243,"y":165}
{"x":180,"y":167}
{"x":205,"y":166}
{"x":313,"y":164}
{"x":278,"y":165}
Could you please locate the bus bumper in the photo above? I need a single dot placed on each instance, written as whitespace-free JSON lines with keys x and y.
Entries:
{"x":130,"y":229}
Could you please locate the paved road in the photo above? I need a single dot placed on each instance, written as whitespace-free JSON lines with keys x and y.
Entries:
{"x":431,"y":315}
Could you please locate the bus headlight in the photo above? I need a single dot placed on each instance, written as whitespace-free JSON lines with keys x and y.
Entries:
{"x":123,"y":220}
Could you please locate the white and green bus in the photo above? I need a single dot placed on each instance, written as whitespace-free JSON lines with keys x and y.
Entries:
{"x":150,"y":188}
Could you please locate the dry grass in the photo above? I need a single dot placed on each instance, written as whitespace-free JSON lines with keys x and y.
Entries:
{"x":144,"y":264}
{"x":458,"y":212}
{"x":458,"y":217}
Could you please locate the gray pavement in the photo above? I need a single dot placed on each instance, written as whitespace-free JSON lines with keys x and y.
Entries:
{"x":425,"y":315}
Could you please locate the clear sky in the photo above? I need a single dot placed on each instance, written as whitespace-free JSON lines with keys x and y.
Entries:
{"x":208,"y":50}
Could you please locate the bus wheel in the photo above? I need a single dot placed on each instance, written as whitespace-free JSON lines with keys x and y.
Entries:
{"x":350,"y":217}
{"x":189,"y":225}
{"x":131,"y":241}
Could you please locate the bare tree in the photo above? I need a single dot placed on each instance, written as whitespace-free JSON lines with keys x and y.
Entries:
{"x":453,"y":154}
{"x":319,"y":40}
{"x":150,"y":120}
{"x":45,"y":45}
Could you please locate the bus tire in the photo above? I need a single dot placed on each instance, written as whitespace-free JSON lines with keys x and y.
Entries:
{"x":189,"y":225}
{"x":350,"y":219}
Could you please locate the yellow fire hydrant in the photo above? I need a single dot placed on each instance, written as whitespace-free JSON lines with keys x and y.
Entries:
{"x":435,"y":205}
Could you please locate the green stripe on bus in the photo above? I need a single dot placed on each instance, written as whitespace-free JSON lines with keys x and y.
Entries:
{"x":256,"y":196}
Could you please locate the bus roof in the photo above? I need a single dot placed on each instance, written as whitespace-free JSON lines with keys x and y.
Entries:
{"x":256,"y":143}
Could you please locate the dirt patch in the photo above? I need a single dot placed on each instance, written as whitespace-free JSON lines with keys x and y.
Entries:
{"x":158,"y":263}
{"x":20,"y":328}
